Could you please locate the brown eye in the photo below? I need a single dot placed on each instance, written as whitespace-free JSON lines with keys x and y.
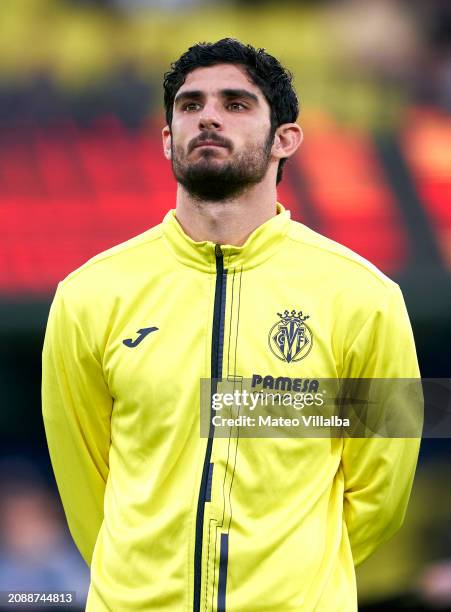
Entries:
{"x":190,"y":106}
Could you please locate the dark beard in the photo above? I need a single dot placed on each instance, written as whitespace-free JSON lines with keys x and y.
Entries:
{"x":207,"y":180}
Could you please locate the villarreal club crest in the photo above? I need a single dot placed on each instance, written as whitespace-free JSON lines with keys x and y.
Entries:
{"x":290,"y":339}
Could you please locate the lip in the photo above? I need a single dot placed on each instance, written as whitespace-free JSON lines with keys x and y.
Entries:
{"x":209,"y":143}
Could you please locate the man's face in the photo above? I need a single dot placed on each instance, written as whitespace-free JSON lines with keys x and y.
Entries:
{"x":220,"y":139}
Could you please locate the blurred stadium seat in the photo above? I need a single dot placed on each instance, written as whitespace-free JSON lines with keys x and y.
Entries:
{"x":68,"y":192}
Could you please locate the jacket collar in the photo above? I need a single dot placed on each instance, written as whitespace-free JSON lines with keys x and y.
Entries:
{"x":261,"y":244}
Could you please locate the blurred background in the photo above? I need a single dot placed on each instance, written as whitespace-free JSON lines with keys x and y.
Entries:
{"x":81,"y":169}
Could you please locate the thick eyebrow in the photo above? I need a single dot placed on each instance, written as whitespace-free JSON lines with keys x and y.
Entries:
{"x":188,"y":95}
{"x":196,"y":94}
{"x":239,"y":93}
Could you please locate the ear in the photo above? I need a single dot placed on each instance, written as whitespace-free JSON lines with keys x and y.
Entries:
{"x":167,"y":140}
{"x":287,"y":139}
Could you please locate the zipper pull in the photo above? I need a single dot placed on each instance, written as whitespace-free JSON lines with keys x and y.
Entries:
{"x":218,"y":251}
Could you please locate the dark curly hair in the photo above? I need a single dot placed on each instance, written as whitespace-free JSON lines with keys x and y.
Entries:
{"x":264,"y":70}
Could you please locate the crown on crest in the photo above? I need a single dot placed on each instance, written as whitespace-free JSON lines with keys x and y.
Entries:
{"x":297,"y":317}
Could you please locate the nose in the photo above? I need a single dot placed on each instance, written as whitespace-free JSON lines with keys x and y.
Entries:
{"x":209,"y":118}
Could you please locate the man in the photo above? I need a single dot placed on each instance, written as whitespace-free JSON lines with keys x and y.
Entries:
{"x":170,"y":520}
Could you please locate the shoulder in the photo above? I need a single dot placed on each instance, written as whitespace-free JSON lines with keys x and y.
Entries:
{"x":98,"y":287}
{"x":122,"y":258}
{"x":337,"y":262}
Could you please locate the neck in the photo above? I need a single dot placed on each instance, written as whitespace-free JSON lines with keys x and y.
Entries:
{"x":229,"y":221}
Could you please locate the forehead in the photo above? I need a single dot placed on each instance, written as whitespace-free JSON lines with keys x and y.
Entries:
{"x":211,"y":79}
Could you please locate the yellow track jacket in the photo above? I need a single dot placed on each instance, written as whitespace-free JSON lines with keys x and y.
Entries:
{"x":170,"y":520}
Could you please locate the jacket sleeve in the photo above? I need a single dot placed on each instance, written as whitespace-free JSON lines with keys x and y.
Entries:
{"x":379,"y":471}
{"x":76,"y":408}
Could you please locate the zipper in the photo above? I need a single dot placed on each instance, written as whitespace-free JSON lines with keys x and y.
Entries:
{"x":217,"y":344}
{"x":223,"y":562}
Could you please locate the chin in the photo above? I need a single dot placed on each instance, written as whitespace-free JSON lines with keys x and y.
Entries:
{"x":210,"y":154}
{"x":209,"y":162}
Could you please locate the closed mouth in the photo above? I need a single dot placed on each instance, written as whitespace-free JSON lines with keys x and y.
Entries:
{"x":208,"y":144}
